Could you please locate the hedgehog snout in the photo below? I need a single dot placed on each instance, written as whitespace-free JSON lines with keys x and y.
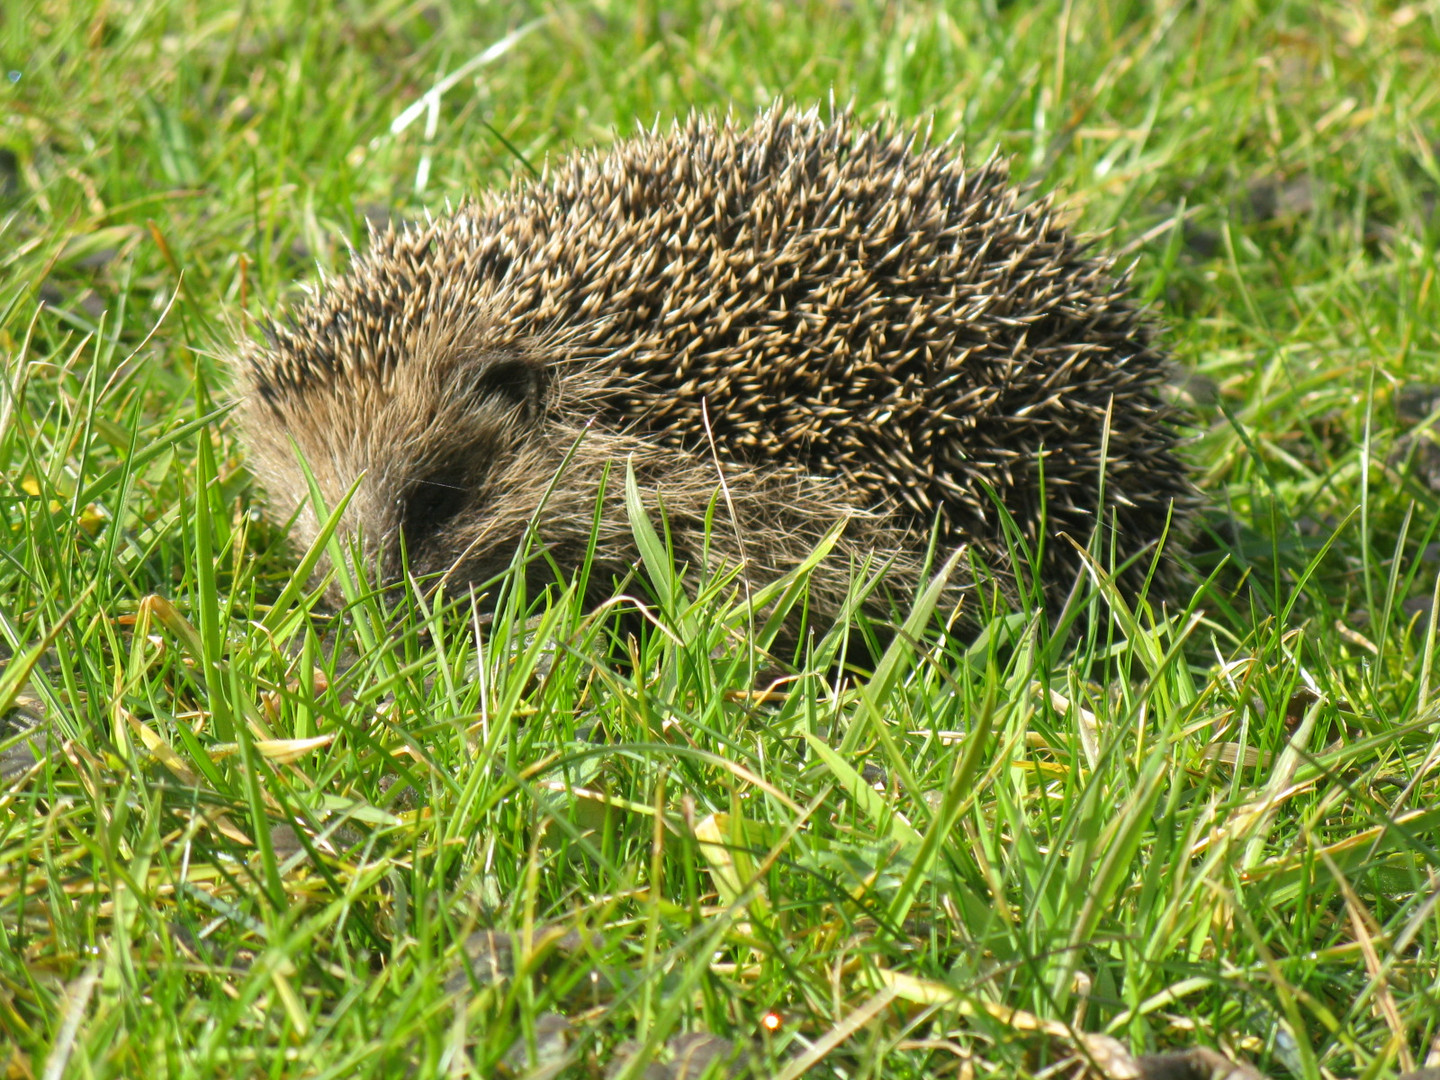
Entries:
{"x":433,"y":502}
{"x":483,"y":413}
{"x":425,"y":507}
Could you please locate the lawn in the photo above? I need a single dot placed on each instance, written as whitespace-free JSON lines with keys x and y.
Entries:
{"x":251,"y":833}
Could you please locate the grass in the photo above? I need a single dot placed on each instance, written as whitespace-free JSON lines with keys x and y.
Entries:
{"x":263,"y":838}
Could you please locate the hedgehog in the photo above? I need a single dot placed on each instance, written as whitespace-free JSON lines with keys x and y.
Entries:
{"x":775,"y":327}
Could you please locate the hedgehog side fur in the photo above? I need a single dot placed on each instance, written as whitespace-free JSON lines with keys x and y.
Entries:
{"x":846,"y":321}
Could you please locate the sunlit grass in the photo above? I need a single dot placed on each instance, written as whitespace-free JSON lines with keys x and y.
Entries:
{"x":427,"y":836}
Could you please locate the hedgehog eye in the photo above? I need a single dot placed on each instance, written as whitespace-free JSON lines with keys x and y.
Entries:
{"x":514,"y":382}
{"x":433,"y":503}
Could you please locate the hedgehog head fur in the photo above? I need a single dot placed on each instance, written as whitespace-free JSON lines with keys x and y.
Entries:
{"x":840,"y":321}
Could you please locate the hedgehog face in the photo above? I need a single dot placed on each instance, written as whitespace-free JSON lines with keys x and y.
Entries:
{"x":439,"y":440}
{"x":477,"y":420}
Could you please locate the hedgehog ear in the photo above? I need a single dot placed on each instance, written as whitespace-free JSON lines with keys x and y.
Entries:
{"x":510,"y":381}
